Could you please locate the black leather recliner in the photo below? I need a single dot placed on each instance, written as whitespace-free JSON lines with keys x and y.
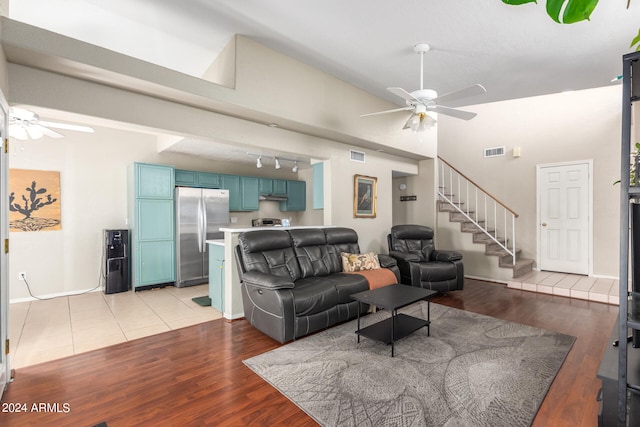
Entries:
{"x":420,"y":263}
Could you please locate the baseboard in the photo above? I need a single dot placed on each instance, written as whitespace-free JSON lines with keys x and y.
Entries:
{"x":486,"y":279}
{"x":56,"y":295}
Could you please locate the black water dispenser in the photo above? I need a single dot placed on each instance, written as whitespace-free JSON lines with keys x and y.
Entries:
{"x":117,"y":273}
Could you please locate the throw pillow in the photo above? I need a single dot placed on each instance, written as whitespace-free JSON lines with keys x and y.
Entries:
{"x":358,"y":262}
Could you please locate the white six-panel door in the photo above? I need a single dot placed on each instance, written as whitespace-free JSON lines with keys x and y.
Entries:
{"x":564,"y":212}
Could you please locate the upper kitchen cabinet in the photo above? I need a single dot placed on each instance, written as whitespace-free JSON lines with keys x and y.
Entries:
{"x":243,"y":192}
{"x":273,"y":187}
{"x":296,"y":197}
{"x":154,"y":181}
{"x":187,"y":178}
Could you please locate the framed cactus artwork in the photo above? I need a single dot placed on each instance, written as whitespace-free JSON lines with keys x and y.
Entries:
{"x":34,"y":200}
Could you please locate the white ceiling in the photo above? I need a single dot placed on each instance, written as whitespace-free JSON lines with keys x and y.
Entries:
{"x":514,"y":51}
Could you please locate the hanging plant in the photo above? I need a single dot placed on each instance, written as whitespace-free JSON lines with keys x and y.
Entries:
{"x":574,"y":11}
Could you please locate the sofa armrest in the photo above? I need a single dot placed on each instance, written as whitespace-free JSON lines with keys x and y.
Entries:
{"x":387,"y":261}
{"x":404,"y":256}
{"x":266,"y":281}
{"x":438,"y":255}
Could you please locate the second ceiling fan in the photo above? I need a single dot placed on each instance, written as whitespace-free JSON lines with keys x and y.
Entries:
{"x":424,"y":100}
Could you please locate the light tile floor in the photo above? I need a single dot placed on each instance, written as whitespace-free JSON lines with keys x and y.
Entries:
{"x":569,"y":285}
{"x":46,"y":330}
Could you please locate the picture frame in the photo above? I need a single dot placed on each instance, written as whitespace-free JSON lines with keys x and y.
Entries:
{"x":365,"y":196}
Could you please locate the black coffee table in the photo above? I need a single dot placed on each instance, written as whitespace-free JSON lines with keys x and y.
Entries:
{"x":392,"y":298}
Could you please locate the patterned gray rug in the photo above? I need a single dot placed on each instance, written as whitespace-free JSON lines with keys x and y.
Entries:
{"x":473,"y":370}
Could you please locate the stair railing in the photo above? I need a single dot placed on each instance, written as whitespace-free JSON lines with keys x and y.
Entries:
{"x":492,"y":217}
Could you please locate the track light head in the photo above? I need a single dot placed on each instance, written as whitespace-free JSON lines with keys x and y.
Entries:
{"x":259,"y":162}
{"x":277,"y":163}
{"x":295,"y":167}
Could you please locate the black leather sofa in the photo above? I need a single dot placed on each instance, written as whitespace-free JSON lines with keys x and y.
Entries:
{"x":420,"y":263}
{"x":292,"y":281}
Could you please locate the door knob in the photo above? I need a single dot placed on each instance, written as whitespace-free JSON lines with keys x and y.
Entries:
{"x":544,"y":224}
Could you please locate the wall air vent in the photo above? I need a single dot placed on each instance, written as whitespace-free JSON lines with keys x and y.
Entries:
{"x":356,"y":156}
{"x":494,"y":152}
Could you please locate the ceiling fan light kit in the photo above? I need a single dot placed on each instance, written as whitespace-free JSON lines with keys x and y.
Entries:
{"x":25,"y":124}
{"x":422,"y":101}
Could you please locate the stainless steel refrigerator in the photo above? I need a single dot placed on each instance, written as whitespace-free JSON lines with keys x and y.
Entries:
{"x":200,"y":213}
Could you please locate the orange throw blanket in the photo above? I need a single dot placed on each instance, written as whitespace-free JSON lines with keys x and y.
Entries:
{"x":378,"y":278}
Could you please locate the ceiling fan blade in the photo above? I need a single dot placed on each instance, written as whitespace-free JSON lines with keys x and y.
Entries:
{"x":48,"y":132}
{"x":402,"y":94}
{"x":65,"y":126}
{"x":447,"y":111}
{"x":474,"y":90}
{"x":387,"y":111}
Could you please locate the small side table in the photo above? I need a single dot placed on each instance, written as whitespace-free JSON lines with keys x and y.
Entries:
{"x":394,"y":297}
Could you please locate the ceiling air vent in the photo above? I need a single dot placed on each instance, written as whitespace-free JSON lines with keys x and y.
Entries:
{"x":494,"y":152}
{"x":356,"y":156}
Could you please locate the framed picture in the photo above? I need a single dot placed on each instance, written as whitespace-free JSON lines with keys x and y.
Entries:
{"x":365,"y":195}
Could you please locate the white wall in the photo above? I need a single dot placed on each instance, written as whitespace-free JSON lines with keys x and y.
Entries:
{"x":93,"y":175}
{"x":579,"y":125}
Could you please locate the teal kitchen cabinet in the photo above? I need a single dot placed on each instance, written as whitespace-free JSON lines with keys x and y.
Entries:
{"x":152,"y":222}
{"x":154,"y":181}
{"x":249,"y":193}
{"x":232,"y":183}
{"x":156,"y":263}
{"x":243,"y":192}
{"x":208,"y":180}
{"x":186,"y":178}
{"x":279,"y":187}
{"x":272,"y":187}
{"x":296,"y":197}
{"x":216,"y":276}
{"x":318,"y":186}
{"x":265,"y":186}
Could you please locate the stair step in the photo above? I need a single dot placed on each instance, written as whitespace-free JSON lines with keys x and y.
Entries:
{"x":471,"y":227}
{"x":522,"y":267}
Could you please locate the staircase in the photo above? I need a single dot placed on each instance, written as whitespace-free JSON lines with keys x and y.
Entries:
{"x":491,"y":223}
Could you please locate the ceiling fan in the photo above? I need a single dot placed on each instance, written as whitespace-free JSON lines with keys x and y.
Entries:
{"x":25,"y":124}
{"x":424,"y":100}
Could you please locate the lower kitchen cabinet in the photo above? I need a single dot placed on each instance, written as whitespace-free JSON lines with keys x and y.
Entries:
{"x":216,"y":276}
{"x":156,"y":263}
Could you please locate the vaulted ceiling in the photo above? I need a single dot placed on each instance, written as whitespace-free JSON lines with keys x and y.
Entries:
{"x":514,"y":51}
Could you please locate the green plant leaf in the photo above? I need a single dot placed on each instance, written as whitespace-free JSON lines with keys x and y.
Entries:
{"x":635,"y":41}
{"x":575,"y":10}
{"x":516,"y":2}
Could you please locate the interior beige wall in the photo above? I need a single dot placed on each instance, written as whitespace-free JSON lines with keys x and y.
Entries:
{"x":93,"y":175}
{"x":564,"y":127}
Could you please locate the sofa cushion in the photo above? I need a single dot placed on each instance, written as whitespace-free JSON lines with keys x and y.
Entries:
{"x":341,"y":239}
{"x":269,"y":252}
{"x":347,"y":284}
{"x":357,"y":262}
{"x":436,"y":271}
{"x":314,"y":256}
{"x":313,"y":295}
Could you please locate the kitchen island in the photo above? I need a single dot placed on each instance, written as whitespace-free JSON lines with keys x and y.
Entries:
{"x":232,"y":308}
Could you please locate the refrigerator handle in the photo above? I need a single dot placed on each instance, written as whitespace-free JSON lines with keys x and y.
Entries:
{"x":200,"y":218}
{"x":203,"y":246}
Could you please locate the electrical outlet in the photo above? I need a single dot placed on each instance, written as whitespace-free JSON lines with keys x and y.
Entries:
{"x":22,"y":275}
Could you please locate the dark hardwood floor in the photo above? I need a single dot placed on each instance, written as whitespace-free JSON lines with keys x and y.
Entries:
{"x":195,"y":376}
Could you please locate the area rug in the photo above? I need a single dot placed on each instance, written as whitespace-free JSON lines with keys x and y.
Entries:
{"x":473,"y":370}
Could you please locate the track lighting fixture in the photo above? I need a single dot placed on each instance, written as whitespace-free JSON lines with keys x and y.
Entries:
{"x":277,"y":161}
